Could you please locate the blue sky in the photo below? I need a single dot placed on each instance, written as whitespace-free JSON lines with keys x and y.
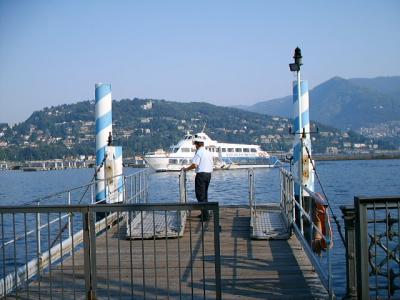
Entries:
{"x":222,"y":52}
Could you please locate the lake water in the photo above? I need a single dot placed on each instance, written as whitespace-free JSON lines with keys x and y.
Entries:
{"x":342,"y":180}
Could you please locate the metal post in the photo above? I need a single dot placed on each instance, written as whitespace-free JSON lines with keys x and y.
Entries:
{"x":217,"y":254}
{"x":125,"y":190}
{"x":140,"y":187}
{"x":301,"y":221}
{"x":69,"y":218}
{"x":361,"y":250}
{"x":146,"y":192}
{"x":310,"y":211}
{"x":91,"y":194}
{"x":349,"y":226}
{"x":328,"y":240}
{"x":292,"y":201}
{"x":39,"y":247}
{"x":89,"y":248}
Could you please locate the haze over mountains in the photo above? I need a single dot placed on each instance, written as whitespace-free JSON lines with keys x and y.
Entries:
{"x":345,"y":103}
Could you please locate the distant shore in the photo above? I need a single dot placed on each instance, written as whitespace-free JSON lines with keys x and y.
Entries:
{"x":348,"y":156}
{"x":59,"y":164}
{"x":358,"y":156}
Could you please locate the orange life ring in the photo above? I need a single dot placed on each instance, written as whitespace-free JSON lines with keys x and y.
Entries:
{"x":320,"y":215}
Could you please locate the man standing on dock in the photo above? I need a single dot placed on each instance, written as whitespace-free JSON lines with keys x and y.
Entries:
{"x":203,"y":163}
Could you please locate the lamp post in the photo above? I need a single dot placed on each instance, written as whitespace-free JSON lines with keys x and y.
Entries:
{"x":295,"y":67}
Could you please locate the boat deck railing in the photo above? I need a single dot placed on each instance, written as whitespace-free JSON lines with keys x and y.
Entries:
{"x":372,"y":229}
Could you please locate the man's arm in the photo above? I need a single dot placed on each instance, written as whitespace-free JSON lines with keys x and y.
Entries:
{"x":191,"y":167}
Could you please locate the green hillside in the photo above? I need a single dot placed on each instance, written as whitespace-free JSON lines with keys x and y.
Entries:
{"x":145,"y":125}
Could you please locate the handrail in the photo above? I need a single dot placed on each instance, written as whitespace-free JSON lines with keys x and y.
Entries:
{"x":296,"y":215}
{"x":68,"y":192}
{"x":42,"y":260}
{"x":36,"y":200}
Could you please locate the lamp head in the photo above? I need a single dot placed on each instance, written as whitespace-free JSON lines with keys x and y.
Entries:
{"x":295,"y":67}
{"x":297,"y":57}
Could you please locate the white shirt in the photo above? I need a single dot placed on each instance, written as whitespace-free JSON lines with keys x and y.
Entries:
{"x":203,"y":160}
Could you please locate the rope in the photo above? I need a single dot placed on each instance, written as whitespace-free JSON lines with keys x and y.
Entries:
{"x":339,"y":227}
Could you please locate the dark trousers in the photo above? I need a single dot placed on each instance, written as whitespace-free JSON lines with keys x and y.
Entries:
{"x":201,"y":183}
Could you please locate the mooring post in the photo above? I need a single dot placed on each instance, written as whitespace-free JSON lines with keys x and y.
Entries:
{"x":103,"y":115}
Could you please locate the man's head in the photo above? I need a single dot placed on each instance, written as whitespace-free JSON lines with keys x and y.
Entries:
{"x":198,"y":142}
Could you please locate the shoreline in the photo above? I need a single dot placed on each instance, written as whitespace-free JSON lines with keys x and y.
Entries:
{"x":366,"y":156}
{"x":11,"y":165}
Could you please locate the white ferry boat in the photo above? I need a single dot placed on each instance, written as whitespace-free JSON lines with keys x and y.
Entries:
{"x":226,"y":155}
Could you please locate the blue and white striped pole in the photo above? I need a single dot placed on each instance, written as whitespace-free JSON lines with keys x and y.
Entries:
{"x":302,"y":142}
{"x":103,"y":113}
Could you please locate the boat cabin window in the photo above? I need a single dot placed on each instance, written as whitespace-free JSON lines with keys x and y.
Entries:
{"x":238,"y":149}
{"x":223,"y":149}
{"x":246,"y":150}
{"x":173,"y":161}
{"x":185,"y":149}
{"x":230,"y":149}
{"x":253,"y":150}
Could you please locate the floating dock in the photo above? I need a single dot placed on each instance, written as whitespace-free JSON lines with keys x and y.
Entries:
{"x":162,"y":268}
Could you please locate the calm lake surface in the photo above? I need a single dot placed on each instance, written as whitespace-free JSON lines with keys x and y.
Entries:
{"x":342,"y":180}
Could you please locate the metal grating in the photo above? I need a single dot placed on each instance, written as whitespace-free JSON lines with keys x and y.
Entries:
{"x":268,"y":224}
{"x":157,"y":224}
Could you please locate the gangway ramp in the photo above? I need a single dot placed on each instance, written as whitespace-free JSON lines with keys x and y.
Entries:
{"x":267,"y":222}
{"x":156,"y":224}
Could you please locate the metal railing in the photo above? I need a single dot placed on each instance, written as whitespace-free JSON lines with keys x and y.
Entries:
{"x":300,"y":216}
{"x":372,"y":228}
{"x":39,"y":258}
{"x":100,"y":260}
{"x":41,"y":235}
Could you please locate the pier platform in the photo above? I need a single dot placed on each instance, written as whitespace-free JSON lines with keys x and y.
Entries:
{"x":162,"y":269}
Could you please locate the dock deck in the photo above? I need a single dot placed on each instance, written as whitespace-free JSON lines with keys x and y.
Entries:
{"x":150,"y":269}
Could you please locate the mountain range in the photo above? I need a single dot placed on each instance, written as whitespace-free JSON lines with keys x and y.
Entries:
{"x":347,"y":104}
